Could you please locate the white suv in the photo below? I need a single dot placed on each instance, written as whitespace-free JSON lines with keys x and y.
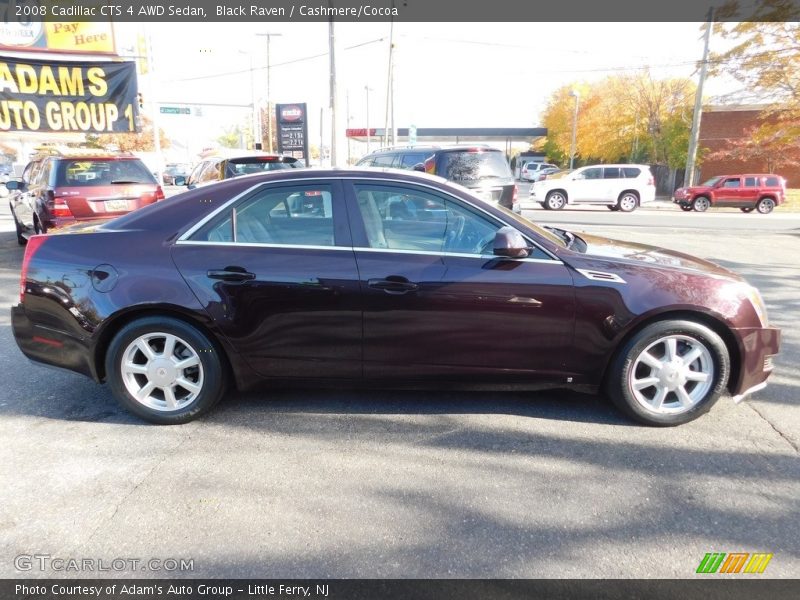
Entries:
{"x":619,"y":187}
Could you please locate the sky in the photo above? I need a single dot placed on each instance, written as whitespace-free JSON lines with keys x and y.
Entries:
{"x":446,"y":74}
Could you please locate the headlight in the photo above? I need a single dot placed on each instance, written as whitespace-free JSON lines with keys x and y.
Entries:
{"x":758,"y":304}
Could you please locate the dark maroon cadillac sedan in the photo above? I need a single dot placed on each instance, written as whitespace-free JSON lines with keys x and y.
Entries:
{"x":345,"y":276}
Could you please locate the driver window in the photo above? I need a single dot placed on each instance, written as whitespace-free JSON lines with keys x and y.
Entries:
{"x":732,"y":183}
{"x":408,"y":218}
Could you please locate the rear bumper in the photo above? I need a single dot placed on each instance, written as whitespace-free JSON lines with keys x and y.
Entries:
{"x":759,"y":346}
{"x":50,"y":346}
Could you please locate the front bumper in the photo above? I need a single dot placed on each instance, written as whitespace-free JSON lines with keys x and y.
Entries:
{"x":759,"y":346}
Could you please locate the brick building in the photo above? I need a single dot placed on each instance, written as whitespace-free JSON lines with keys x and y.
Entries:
{"x":723,"y":123}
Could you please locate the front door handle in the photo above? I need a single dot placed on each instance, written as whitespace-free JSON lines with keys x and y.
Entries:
{"x":232,"y":274}
{"x":394,"y":284}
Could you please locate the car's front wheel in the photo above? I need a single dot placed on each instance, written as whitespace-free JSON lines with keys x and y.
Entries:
{"x":21,"y":240}
{"x":627,"y":202}
{"x":164,"y":370}
{"x":765,"y":205}
{"x":555,"y":200}
{"x":701,"y":204}
{"x":669,"y":373}
{"x":686,"y":208}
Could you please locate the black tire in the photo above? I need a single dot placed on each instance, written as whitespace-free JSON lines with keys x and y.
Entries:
{"x":612,"y":207}
{"x":746,"y":209}
{"x":543,"y":205}
{"x":21,"y":239}
{"x":627,"y":202}
{"x":765,"y":206}
{"x":189,"y":340}
{"x":556,"y":200}
{"x":686,"y":207}
{"x":701,"y":204}
{"x":627,"y":358}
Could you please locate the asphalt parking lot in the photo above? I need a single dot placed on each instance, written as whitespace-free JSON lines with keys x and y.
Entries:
{"x":327,"y":483}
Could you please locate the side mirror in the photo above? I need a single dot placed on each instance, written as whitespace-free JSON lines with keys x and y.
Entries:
{"x":179,"y":180}
{"x":510,"y":243}
{"x":419,"y":167}
{"x":14,"y":184}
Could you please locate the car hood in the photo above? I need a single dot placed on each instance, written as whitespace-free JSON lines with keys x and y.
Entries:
{"x":644,"y":254}
{"x":694,"y":189}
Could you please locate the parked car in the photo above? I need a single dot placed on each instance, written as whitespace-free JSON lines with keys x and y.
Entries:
{"x":226,"y":166}
{"x":176,"y":174}
{"x":746,"y":192}
{"x":57,"y":190}
{"x":619,"y":187}
{"x":364,"y":275}
{"x":402,"y":157}
{"x":482,"y":169}
{"x":533,"y":171}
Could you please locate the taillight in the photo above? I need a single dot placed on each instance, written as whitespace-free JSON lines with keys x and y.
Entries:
{"x":651,"y":181}
{"x":159,"y":193}
{"x":430,"y":166}
{"x":34,"y":243}
{"x":60,"y":208}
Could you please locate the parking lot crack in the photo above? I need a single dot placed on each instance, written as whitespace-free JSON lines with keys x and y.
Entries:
{"x":166,"y":455}
{"x":778,"y":431}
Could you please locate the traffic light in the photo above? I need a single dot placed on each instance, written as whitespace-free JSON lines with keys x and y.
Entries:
{"x":140,"y":98}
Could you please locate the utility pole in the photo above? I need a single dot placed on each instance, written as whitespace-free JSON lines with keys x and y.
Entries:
{"x":369,"y":138}
{"x":694,"y":138}
{"x":389,"y":87}
{"x":156,"y":109}
{"x":347,"y":108}
{"x":332,"y":55}
{"x":572,"y":147}
{"x":269,"y":97}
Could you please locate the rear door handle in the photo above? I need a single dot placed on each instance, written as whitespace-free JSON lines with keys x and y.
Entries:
{"x":231,"y":274}
{"x":394,"y":284}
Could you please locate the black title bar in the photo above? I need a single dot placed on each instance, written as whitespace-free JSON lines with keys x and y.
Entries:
{"x":199,"y":11}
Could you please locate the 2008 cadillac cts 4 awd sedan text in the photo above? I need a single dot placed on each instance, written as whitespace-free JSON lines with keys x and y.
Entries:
{"x":383,"y":276}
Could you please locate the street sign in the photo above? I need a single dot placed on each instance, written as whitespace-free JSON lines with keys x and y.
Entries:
{"x":175,"y":110}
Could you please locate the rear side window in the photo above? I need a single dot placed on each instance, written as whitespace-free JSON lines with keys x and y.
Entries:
{"x":473,"y":165}
{"x":611,"y":173}
{"x":81,"y":172}
{"x":409,"y":160}
{"x":749,"y":182}
{"x":365,"y":162}
{"x":773,"y":181}
{"x":630,"y":172}
{"x":386,"y":160}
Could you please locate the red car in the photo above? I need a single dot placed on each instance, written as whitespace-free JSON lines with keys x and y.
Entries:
{"x":61,"y":189}
{"x":745,"y":192}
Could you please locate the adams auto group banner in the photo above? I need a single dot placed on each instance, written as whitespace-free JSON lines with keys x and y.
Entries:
{"x":84,"y":96}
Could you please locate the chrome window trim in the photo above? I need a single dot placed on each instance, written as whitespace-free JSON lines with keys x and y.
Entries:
{"x":192,"y":230}
{"x":260,"y":245}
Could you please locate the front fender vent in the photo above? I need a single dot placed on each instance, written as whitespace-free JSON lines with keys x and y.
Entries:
{"x":600,"y":276}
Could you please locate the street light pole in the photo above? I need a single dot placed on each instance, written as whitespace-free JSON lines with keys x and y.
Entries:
{"x":572,"y":147}
{"x":269,"y":98}
{"x":369,"y":138}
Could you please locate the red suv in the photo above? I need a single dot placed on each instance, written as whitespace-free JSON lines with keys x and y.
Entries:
{"x":745,"y":192}
{"x":61,"y":189}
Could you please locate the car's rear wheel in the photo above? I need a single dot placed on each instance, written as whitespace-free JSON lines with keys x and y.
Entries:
{"x":612,"y":207}
{"x":765,"y":205}
{"x":701,"y":204}
{"x":746,"y":209}
{"x":164,"y":370}
{"x":669,"y":373}
{"x":555,"y":200}
{"x":686,"y":207}
{"x":627,"y":202}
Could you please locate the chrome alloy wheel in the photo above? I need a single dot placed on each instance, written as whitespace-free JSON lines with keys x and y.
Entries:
{"x":627,"y":202}
{"x":556,"y":200}
{"x":672,"y":375}
{"x":162,"y":371}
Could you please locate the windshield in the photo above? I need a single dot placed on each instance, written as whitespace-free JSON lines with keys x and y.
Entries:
{"x":248,"y":166}
{"x":712,"y":182}
{"x":472,"y":165}
{"x":101,"y":172}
